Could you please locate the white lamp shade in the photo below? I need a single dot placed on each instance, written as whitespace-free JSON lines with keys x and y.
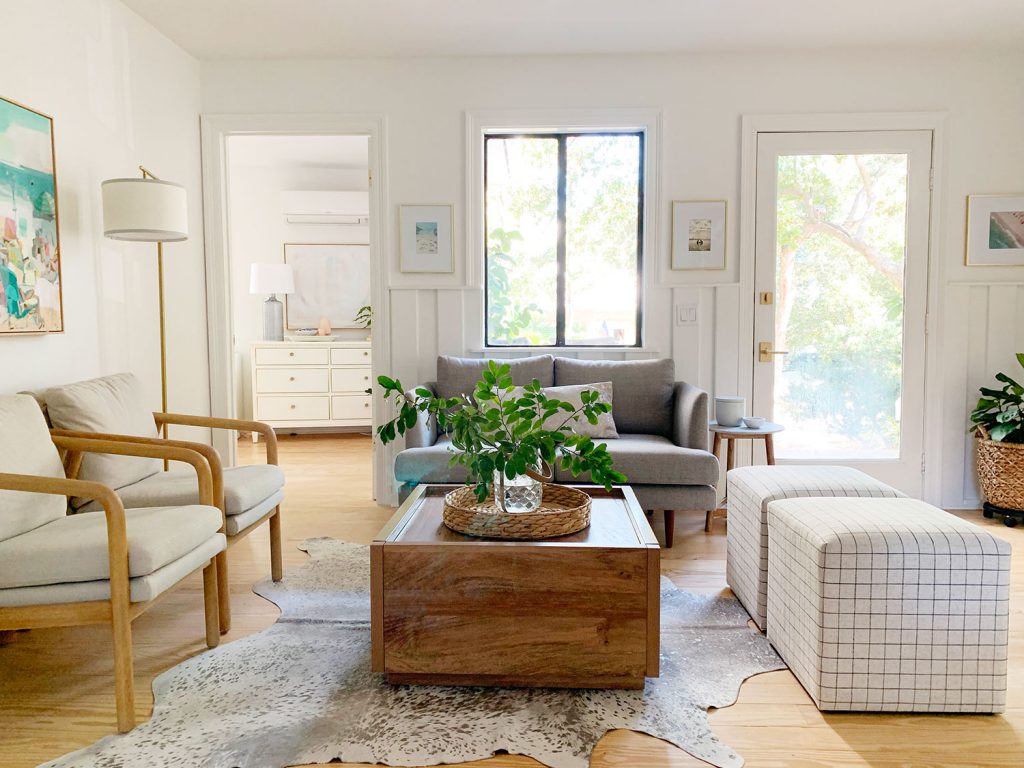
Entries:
{"x":145,"y":210}
{"x":271,"y":278}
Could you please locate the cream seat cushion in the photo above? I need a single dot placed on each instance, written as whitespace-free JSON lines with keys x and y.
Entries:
{"x":141,"y":588}
{"x":74,"y":548}
{"x":244,"y":488}
{"x":111,"y":404}
{"x":27,"y":450}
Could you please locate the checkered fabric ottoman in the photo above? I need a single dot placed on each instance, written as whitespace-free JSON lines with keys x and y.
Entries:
{"x":750,"y":491}
{"x":888,"y":605}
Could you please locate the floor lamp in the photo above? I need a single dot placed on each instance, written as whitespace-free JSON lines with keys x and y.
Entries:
{"x":148,"y":210}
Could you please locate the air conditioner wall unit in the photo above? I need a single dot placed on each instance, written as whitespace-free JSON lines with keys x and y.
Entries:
{"x":340,"y":207}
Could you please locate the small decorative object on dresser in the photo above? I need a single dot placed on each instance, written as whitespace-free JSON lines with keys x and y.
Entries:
{"x":272,"y":279}
{"x":30,"y":277}
{"x":303,"y":385}
{"x":995,"y":231}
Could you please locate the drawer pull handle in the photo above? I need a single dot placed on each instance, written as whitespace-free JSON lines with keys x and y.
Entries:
{"x":291,"y":378}
{"x":366,"y":405}
{"x":366,"y":378}
{"x":292,"y":406}
{"x":365,"y":354}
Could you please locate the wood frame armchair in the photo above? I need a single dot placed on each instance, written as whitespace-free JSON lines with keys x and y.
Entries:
{"x":118,"y":610}
{"x":213,"y":461}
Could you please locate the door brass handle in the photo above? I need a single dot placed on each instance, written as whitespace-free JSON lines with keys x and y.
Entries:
{"x":765,"y":352}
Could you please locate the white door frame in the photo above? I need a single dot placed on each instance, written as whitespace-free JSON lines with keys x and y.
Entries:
{"x":214,"y":130}
{"x":935,"y":122}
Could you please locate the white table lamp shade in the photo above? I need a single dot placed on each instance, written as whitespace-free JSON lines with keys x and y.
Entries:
{"x":144,"y":210}
{"x":271,"y":278}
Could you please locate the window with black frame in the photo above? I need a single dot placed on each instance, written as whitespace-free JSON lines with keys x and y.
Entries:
{"x":563,"y":216}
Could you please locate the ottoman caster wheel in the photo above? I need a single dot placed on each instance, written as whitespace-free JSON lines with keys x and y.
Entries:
{"x":1010,"y":522}
{"x":988,"y":513}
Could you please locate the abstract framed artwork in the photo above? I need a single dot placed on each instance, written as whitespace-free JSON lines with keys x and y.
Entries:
{"x":331,"y":280}
{"x":425,"y":237}
{"x":30,"y":278}
{"x":995,"y":231}
{"x":698,"y":234}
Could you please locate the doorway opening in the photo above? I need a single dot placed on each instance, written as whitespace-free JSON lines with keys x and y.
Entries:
{"x":297,"y":216}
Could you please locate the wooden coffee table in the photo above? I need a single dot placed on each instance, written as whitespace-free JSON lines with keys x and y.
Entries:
{"x":579,"y":611}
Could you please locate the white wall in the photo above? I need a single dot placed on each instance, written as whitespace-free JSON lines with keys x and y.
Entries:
{"x":121,"y":95}
{"x":702,"y":98}
{"x":256,"y":234}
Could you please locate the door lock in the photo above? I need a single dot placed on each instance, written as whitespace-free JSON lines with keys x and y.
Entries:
{"x":765,"y":352}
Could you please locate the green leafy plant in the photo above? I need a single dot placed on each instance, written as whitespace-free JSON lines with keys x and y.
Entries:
{"x":1001,"y":411}
{"x":364,"y":317}
{"x":506,"y":429}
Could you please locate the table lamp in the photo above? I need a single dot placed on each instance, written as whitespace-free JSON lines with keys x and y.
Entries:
{"x":272,"y":279}
{"x":148,"y":210}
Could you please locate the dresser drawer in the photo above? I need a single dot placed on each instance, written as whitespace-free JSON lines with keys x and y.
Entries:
{"x":292,"y":355}
{"x":291,"y":380}
{"x":351,"y":407}
{"x":350,"y":380}
{"x":350,"y":357}
{"x":283,"y":408}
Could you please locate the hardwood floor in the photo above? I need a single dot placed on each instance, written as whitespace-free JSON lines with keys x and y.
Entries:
{"x":57,"y":691}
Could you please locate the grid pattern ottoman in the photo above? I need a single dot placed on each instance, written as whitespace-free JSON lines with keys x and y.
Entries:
{"x":751,"y":489}
{"x":888,"y":605}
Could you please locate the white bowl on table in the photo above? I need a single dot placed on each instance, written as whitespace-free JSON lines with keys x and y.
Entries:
{"x":753,"y":422}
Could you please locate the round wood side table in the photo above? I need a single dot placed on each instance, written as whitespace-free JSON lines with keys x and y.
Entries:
{"x":730,"y":435}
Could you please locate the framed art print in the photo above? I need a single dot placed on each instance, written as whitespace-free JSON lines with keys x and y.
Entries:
{"x":698,"y":234}
{"x":30,"y":277}
{"x":331,"y":281}
{"x":425,"y":238}
{"x":995,"y":231}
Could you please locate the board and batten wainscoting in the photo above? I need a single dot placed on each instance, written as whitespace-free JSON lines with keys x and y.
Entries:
{"x":974,"y":352}
{"x":302,"y":385}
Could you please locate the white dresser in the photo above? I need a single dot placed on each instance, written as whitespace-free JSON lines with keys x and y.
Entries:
{"x":311,"y":384}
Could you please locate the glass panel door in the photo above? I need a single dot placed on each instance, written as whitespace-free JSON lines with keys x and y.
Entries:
{"x":841,"y":272}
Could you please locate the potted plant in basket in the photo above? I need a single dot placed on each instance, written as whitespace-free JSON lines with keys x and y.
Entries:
{"x":998,"y":422}
{"x":509,"y":438}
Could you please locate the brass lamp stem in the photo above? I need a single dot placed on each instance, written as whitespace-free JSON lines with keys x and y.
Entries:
{"x":147,"y":174}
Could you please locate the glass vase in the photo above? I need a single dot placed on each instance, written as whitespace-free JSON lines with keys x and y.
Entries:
{"x":521,"y":494}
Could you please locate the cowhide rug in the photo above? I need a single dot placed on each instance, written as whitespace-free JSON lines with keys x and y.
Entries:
{"x":301,"y":691}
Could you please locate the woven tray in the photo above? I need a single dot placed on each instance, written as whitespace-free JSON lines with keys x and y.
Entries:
{"x":1001,"y":471}
{"x":562,"y":511}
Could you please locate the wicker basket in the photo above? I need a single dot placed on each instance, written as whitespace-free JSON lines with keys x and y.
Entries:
{"x":1001,"y":471}
{"x":562,"y":511}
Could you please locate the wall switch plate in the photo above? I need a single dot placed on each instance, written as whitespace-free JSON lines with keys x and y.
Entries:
{"x":686,"y":314}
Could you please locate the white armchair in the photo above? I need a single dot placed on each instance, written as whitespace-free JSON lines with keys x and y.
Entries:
{"x":97,"y":567}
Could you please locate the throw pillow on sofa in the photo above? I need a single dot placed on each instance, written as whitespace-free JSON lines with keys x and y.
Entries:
{"x":605,"y":427}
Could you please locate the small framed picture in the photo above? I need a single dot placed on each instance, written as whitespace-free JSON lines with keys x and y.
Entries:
{"x":425,"y":237}
{"x":698,"y":234}
{"x":995,"y":231}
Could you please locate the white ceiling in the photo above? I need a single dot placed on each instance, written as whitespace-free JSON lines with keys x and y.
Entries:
{"x":262,"y":29}
{"x":302,"y":151}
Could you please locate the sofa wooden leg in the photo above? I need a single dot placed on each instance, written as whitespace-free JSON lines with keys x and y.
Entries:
{"x":210,"y":607}
{"x":276,"y":567}
{"x":670,"y":527}
{"x":124,"y":671}
{"x":223,"y":593}
{"x":709,"y":521}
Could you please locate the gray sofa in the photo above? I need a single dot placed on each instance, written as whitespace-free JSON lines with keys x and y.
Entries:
{"x":663,"y":429}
